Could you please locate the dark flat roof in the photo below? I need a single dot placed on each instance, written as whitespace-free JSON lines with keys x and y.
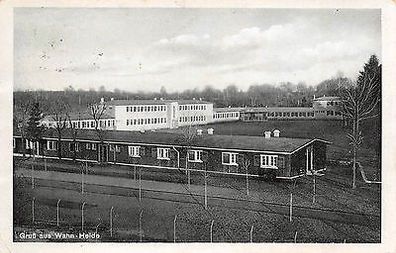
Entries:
{"x":154,"y":102}
{"x":241,"y":142}
{"x":277,"y":109}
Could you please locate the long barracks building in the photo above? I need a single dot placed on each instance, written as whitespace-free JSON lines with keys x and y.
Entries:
{"x":268,"y":155}
{"x":139,"y":115}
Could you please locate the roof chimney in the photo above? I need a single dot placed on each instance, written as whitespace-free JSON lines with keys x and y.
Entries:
{"x":102,"y":100}
{"x":199,"y":131}
{"x":276,"y":133}
{"x":267,"y":134}
{"x":210,"y":131}
{"x":112,"y":99}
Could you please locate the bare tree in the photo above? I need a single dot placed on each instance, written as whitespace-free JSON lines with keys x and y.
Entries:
{"x":245,"y":166}
{"x":97,"y":112}
{"x":20,"y":120}
{"x":189,"y":136}
{"x":59,"y":114}
{"x":359,"y":103}
{"x":74,"y":132}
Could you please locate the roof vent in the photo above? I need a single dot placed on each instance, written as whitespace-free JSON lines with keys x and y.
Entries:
{"x":210,"y":131}
{"x":199,"y":131}
{"x":102,"y":100}
{"x":112,"y":99}
{"x":155,"y":98}
{"x":267,"y":134}
{"x":193,"y":98}
{"x":161,"y":98}
{"x":276,"y":133}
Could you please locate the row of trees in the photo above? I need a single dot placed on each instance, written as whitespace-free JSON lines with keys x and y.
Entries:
{"x":285,"y":94}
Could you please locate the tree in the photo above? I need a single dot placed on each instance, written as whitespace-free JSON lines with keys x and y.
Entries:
{"x":359,"y":103}
{"x":34,"y":128}
{"x":21,"y":118}
{"x":59,"y":111}
{"x":74,"y":132}
{"x":97,"y":112}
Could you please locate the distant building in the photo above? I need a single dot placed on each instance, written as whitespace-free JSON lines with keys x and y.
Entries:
{"x":325,"y":108}
{"x":226,"y":114}
{"x":142,"y":115}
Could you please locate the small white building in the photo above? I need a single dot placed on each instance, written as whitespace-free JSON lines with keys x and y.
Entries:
{"x":327,"y":108}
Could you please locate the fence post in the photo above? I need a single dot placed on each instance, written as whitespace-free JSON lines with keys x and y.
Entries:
{"x":140,"y":184}
{"x":247,"y":182}
{"x":174,"y":228}
{"x":295,"y":237}
{"x":32,"y":176}
{"x":314,"y":189}
{"x":82,"y":179}
{"x":134,"y":173}
{"x":211,"y":231}
{"x":82,"y":216}
{"x":57,"y":212}
{"x":111,"y":221}
{"x":33,"y":203}
{"x":206,"y":190}
{"x":140,"y":226}
{"x":96,"y":230}
{"x":251,"y":233}
{"x":291,"y":207}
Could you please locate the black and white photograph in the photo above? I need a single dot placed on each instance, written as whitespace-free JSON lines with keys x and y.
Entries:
{"x":197,"y":125}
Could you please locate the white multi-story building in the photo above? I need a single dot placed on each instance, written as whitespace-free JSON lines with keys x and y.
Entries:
{"x":156,"y":114}
{"x":140,"y":115}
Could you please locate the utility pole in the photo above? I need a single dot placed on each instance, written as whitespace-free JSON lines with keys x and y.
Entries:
{"x":174,"y":228}
{"x":57,"y":212}
{"x":211,"y":231}
{"x":111,"y":221}
{"x":82,"y":216}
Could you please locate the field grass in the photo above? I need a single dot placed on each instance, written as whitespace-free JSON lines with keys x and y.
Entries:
{"x":192,"y":224}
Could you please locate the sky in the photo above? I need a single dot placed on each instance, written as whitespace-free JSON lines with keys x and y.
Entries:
{"x":143,"y":49}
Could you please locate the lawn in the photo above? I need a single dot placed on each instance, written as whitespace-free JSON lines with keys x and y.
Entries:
{"x":192,"y":223}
